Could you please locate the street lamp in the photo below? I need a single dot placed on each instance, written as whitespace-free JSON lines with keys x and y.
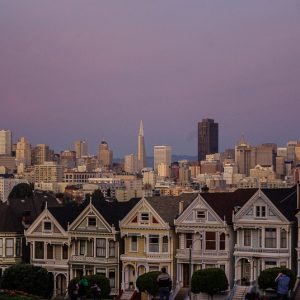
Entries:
{"x":190,"y":261}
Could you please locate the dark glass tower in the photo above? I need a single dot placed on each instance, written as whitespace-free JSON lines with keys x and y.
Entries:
{"x":208,"y":138}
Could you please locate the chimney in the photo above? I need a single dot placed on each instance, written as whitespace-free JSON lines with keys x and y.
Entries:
{"x":180,"y":207}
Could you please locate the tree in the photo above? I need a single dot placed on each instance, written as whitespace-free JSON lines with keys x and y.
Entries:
{"x":102,"y":282}
{"x":97,"y":196}
{"x":266,"y":278}
{"x":21,"y":191}
{"x":210,"y":281}
{"x":148,"y":283}
{"x":30,"y":279}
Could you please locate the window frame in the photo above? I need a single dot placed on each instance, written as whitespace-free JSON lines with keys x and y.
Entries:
{"x":100,"y":247}
{"x":153,"y":247}
{"x":9,"y":248}
{"x":144,"y":217}
{"x":271,"y":238}
{"x":247,"y":237}
{"x":92,"y":221}
{"x":210,"y":241}
{"x":47,"y":222}
{"x":42,"y":250}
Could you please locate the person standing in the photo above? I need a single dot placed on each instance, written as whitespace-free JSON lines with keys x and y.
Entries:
{"x":164,"y":283}
{"x":283,"y":282}
{"x":96,"y":291}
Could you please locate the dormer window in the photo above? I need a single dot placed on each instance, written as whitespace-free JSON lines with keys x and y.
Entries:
{"x":92,"y":221}
{"x":260,"y":211}
{"x":47,"y":226}
{"x":144,"y":218}
{"x":200,"y":215}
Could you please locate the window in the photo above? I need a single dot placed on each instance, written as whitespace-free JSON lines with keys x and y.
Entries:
{"x":49,"y":251}
{"x":200,"y":215}
{"x":39,"y":250}
{"x":9,"y":251}
{"x":133,"y":244}
{"x":144,"y":217}
{"x":90,"y":249}
{"x":81,"y":247}
{"x":260,"y":211}
{"x":270,"y":264}
{"x":283,"y":240}
{"x":210,"y":239}
{"x":111,"y":276}
{"x":18,"y":247}
{"x":1,"y":247}
{"x":247,"y":237}
{"x":47,"y":226}
{"x":65,"y":252}
{"x":100,"y":247}
{"x":165,"y":244}
{"x":270,"y":237}
{"x":112,"y":249}
{"x":92,"y":221}
{"x":222,"y":241}
{"x":153,"y":243}
{"x":188,"y":240}
{"x":101,"y":272}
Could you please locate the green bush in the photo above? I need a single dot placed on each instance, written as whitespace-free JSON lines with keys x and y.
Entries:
{"x":267,"y":277}
{"x":101,"y":281}
{"x":148,"y":283}
{"x":209,"y":281}
{"x":30,"y":279}
{"x":21,"y":191}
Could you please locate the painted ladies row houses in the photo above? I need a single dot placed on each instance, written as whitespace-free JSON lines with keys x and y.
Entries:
{"x":242,"y":232}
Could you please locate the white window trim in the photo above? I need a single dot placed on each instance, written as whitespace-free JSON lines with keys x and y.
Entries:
{"x":47,"y":230}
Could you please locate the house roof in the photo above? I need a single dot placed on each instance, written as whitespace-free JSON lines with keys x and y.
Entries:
{"x":168,"y":206}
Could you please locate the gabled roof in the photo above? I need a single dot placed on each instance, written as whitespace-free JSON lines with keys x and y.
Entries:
{"x":285,"y":200}
{"x":224,"y":203}
{"x":168,"y":206}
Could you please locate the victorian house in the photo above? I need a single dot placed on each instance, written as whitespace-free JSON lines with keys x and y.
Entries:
{"x":265,"y":229}
{"x":74,"y":241}
{"x":150,"y":238}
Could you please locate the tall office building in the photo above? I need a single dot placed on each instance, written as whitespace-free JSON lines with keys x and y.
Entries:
{"x":141,"y":151}
{"x":208,"y":138}
{"x":105,"y":155}
{"x":23,"y":152}
{"x":41,"y":153}
{"x":245,"y":157}
{"x":130,"y":163}
{"x":5,"y":142}
{"x":49,"y":171}
{"x":162,"y":156}
{"x":81,"y":148}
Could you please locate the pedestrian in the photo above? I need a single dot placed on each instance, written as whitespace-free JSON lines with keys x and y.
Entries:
{"x":96,"y":291}
{"x":283,"y":282}
{"x":164,"y":283}
{"x":74,"y":291}
{"x":83,"y":288}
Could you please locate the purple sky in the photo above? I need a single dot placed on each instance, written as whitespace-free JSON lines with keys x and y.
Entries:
{"x":94,"y":69}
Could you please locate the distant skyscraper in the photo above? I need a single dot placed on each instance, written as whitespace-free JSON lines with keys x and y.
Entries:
{"x":162,"y":155}
{"x":81,"y":148}
{"x":5,"y":142}
{"x":245,"y":157}
{"x":105,"y":155}
{"x":130,"y":163}
{"x":41,"y":153}
{"x":23,"y":152}
{"x":208,"y":138}
{"x":141,"y":151}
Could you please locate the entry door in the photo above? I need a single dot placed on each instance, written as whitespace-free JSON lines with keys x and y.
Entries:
{"x":186,"y":275}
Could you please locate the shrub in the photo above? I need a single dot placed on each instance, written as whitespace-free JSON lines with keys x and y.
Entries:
{"x":101,"y":281}
{"x":30,"y":279}
{"x":267,"y":277}
{"x":209,"y":281}
{"x":21,"y":191}
{"x":148,"y":283}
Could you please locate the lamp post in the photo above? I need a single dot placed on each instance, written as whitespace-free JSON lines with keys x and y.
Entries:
{"x":190,"y":262}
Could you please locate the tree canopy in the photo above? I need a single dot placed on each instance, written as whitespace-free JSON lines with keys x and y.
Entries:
{"x":148,"y":283}
{"x":210,"y":281}
{"x":97,"y":196}
{"x":21,"y":191}
{"x":266,"y":278}
{"x":30,"y":279}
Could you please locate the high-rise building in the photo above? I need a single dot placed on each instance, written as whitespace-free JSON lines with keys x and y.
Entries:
{"x":105,"y":155}
{"x":49,"y":171}
{"x":23,"y":152}
{"x":41,"y":153}
{"x":81,"y":148}
{"x":208,"y":138}
{"x":162,"y":155}
{"x":266,"y":155}
{"x":5,"y":142}
{"x":141,"y":150}
{"x":68,"y":159}
{"x":245,"y":157}
{"x":130,"y":163}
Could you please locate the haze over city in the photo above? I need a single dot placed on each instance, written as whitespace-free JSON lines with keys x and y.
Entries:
{"x":93,"y":70}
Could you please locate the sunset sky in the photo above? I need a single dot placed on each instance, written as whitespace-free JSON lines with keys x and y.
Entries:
{"x":94,"y":69}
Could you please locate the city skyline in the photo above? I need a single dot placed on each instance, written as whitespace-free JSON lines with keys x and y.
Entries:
{"x":93,"y":71}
